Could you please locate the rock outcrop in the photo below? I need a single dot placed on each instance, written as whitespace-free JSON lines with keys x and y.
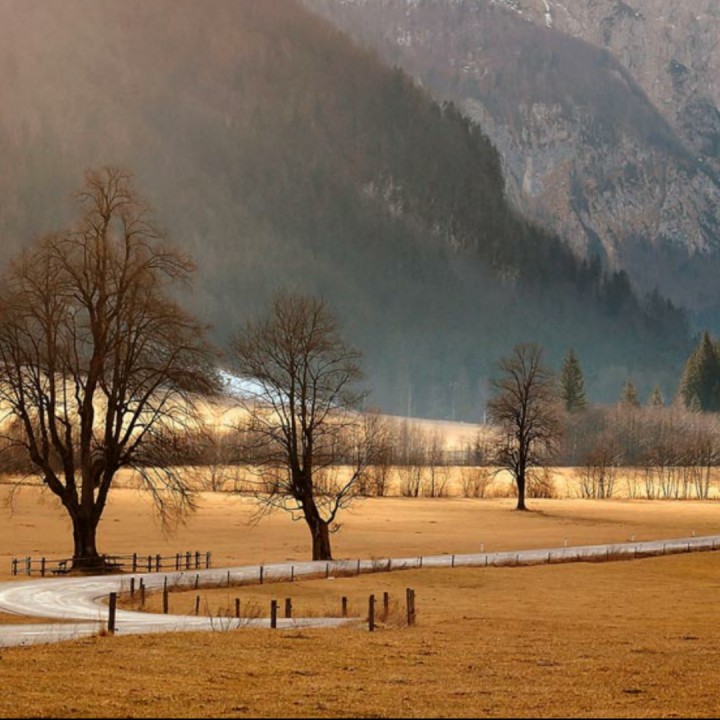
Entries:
{"x":604,"y":112}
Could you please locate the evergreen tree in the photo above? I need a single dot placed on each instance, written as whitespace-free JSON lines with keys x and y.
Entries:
{"x":629,"y":395}
{"x":701,"y":378}
{"x":572,"y":384}
{"x":656,"y":398}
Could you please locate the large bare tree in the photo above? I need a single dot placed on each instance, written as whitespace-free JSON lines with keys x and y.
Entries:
{"x":99,"y":366}
{"x":524,"y":406}
{"x":301,"y":405}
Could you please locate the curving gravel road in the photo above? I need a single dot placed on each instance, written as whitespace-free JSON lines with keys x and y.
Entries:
{"x":83,"y":599}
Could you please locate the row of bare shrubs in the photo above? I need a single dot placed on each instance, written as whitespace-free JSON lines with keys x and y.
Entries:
{"x":660,"y":453}
{"x":649,"y":453}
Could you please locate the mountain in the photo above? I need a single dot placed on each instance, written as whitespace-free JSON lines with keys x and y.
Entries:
{"x":281,"y":154}
{"x":605,"y":114}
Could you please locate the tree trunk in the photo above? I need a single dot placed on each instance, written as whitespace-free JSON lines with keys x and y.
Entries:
{"x":320,"y":531}
{"x":521,"y":491}
{"x":85,"y":555}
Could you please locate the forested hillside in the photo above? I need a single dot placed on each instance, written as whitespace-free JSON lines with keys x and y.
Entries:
{"x":280,"y":154}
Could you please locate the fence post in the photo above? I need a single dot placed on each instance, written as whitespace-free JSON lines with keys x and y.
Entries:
{"x":452,"y":564}
{"x":371,"y":613}
{"x":288,"y":608}
{"x":42,"y":567}
{"x":262,"y":574}
{"x":177,"y":561}
{"x":197,"y":560}
{"x":149,"y":563}
{"x":273,"y":614}
{"x":344,"y":607}
{"x":228,"y":578}
{"x":134,"y":562}
{"x":421,"y":562}
{"x":207,"y":560}
{"x":410,"y":603}
{"x":111,"y":613}
{"x":132,"y":587}
{"x":142,"y":592}
{"x":292,"y":573}
{"x":197,"y":581}
{"x":15,"y":566}
{"x":358,"y":567}
{"x":237,"y":608}
{"x":386,"y":606}
{"x":187,"y":560}
{"x":197,"y":605}
{"x":166,"y":599}
{"x":28,"y":566}
{"x":158,"y":563}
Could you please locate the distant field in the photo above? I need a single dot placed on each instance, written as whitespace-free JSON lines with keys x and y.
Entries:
{"x":379,"y":527}
{"x":627,"y":639}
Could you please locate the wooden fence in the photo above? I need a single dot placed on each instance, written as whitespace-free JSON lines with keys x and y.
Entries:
{"x":375,"y":617}
{"x":133,"y":563}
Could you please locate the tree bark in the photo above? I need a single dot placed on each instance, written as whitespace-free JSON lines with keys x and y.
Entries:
{"x":320,"y":531}
{"x":85,"y":554}
{"x":521,"y":492}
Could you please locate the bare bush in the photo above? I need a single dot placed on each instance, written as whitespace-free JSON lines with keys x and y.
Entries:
{"x":380,"y":434}
{"x":598,"y":472}
{"x":540,"y":483}
{"x":474,"y":481}
{"x":410,"y":479}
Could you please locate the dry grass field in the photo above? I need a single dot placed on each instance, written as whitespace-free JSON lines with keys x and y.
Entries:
{"x":637,"y":638}
{"x":630,"y":639}
{"x":36,"y":525}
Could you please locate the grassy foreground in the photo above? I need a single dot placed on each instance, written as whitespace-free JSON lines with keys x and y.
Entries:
{"x":628,"y":639}
{"x":636,"y":639}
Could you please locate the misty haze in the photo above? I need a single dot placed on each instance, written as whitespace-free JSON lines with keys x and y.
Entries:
{"x":299,"y":294}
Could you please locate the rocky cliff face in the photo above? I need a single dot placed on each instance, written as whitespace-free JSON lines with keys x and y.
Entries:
{"x":670,"y":48}
{"x":604,"y":112}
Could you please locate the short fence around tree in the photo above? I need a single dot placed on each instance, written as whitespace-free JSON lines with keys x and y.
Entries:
{"x":135,"y":563}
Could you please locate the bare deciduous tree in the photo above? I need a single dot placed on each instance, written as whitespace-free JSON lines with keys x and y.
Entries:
{"x":98,"y":365}
{"x":525,"y":408}
{"x":412,"y":459}
{"x":302,"y":412}
{"x":380,"y":434}
{"x":438,"y":474}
